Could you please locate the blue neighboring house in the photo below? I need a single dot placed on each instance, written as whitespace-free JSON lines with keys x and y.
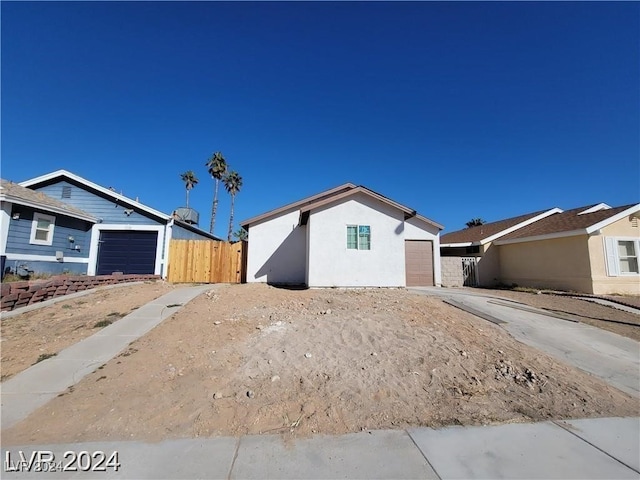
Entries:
{"x":63,"y":223}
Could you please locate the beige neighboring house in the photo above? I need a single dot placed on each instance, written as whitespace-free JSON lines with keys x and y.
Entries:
{"x":473,"y":249}
{"x":592,"y":249}
{"x":589,"y":249}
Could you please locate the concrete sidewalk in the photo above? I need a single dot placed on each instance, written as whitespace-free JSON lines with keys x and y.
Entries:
{"x":43,"y":381}
{"x":595,"y":448}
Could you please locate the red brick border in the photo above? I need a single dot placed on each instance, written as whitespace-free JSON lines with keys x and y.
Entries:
{"x":19,"y":294}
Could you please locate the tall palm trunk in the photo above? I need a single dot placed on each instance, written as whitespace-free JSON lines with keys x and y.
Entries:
{"x":233,"y":197}
{"x":214,"y":207}
{"x":187,"y":198}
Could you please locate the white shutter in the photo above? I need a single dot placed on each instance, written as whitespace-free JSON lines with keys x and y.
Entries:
{"x":610,"y":246}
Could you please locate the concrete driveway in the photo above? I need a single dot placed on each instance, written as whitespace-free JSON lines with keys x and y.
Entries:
{"x":613,"y":358}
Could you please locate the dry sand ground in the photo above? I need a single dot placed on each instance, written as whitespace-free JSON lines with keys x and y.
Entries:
{"x":250,"y":359}
{"x":49,"y":330}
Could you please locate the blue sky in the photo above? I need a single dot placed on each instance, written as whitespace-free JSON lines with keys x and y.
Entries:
{"x":455,"y":109}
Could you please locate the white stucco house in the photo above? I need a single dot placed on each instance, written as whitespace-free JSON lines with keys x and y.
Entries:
{"x":348,"y":236}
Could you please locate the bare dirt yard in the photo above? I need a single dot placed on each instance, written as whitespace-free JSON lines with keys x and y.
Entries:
{"x":30,"y":336}
{"x":601,"y":316}
{"x":251,"y":359}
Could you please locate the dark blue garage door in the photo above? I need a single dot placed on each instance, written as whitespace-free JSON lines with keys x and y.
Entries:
{"x":127,"y":252}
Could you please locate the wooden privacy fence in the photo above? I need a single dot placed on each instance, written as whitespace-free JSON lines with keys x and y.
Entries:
{"x":206,"y":261}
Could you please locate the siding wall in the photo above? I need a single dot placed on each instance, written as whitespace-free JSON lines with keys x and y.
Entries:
{"x":112,"y":215}
{"x":98,"y":205}
{"x":20,"y":234}
{"x":49,"y":268}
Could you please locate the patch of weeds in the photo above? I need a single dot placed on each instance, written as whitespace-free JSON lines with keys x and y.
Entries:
{"x":44,"y":356}
{"x":526,"y":289}
{"x":100,"y":367}
{"x":10,"y":277}
{"x":69,"y":390}
{"x":66,"y":305}
{"x":134,"y":308}
{"x":174,"y":305}
{"x":81,"y":302}
{"x":115,"y":314}
{"x":101,"y":378}
{"x":4,"y":377}
{"x":102,"y":323}
{"x":130,"y":351}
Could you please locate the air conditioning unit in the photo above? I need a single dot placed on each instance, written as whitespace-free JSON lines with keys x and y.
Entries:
{"x":187,"y":215}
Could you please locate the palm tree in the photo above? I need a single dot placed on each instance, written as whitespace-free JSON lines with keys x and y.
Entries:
{"x":233,"y":183}
{"x":241,"y":234}
{"x":190,"y":180}
{"x":217,"y":167}
{"x":475,"y":222}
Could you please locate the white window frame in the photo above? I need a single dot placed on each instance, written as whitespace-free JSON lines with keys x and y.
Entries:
{"x":612,"y":255}
{"x":358,"y":244}
{"x":34,"y":228}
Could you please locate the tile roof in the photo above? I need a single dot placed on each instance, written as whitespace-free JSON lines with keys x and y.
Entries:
{"x":566,"y":221}
{"x":479,"y":233}
{"x":13,"y":191}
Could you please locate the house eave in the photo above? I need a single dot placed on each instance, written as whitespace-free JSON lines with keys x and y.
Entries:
{"x":48,"y":208}
{"x":105,"y":191}
{"x":520,"y":225}
{"x":292,"y":206}
{"x":548,"y":236}
{"x":608,"y":221}
{"x":456,"y":245}
{"x":428,"y":220}
{"x":330,"y":196}
{"x":508,"y":230}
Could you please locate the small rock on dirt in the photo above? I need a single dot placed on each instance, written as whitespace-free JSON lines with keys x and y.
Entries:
{"x":308,"y":355}
{"x":217,"y":322}
{"x":250,"y":394}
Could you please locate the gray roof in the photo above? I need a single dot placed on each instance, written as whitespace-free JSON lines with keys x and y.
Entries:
{"x":12,"y":192}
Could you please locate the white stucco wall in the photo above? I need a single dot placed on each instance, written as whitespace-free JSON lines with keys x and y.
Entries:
{"x":331,"y":264}
{"x":416,"y":229}
{"x":277,"y":251}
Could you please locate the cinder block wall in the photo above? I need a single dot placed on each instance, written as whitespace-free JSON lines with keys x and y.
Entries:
{"x":451,"y":271}
{"x":20,"y":294}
